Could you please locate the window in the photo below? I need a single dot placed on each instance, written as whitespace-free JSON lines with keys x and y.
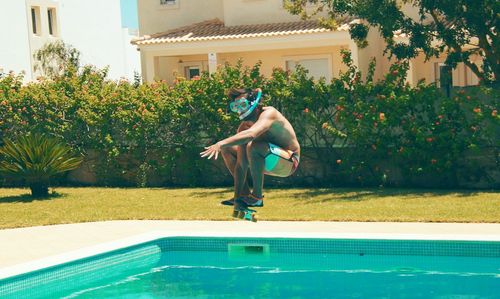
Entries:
{"x":169,"y":4}
{"x":51,"y":14}
{"x":317,"y":67}
{"x":192,"y":71}
{"x":443,"y":75}
{"x":35,"y":20}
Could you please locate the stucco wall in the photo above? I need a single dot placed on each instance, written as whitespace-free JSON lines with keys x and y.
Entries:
{"x":154,"y":18}
{"x":38,"y":40}
{"x":97,"y":33}
{"x":92,"y":26}
{"x":14,"y":48}
{"x":425,"y":70}
{"x":243,"y":12}
{"x":375,"y":50}
{"x":132,"y":57}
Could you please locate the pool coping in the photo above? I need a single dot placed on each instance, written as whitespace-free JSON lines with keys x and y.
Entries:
{"x":46,"y":262}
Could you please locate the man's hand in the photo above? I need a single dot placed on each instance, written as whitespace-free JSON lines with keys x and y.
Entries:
{"x":210,"y":151}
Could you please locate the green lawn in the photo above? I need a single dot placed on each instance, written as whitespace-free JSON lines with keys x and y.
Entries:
{"x":70,"y":205}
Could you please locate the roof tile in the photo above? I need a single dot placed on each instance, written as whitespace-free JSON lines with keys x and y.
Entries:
{"x":216,"y":30}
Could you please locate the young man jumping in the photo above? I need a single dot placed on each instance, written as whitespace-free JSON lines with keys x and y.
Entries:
{"x":265,"y":142}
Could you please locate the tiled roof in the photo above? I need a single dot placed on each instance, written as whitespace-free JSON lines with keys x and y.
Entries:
{"x":216,"y":30}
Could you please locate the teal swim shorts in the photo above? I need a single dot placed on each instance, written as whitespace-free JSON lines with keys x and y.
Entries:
{"x":280,"y":162}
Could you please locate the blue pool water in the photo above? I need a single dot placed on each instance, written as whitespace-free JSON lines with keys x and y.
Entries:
{"x":273,"y":268}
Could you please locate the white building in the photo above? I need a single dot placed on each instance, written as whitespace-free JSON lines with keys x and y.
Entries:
{"x":93,"y":27}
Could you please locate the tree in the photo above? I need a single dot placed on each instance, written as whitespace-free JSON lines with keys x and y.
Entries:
{"x":56,"y":59}
{"x":458,"y":28}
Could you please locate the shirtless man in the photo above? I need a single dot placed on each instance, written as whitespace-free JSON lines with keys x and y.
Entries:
{"x":265,"y":142}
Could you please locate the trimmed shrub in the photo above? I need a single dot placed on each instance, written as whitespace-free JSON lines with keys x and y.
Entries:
{"x":358,"y":132}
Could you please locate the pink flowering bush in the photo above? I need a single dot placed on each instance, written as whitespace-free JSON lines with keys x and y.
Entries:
{"x":381,"y":131}
{"x":357,"y":131}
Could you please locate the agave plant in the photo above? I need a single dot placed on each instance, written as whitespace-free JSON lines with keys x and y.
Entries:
{"x":36,"y":158}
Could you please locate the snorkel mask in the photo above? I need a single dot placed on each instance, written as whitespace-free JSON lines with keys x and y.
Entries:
{"x":244,"y":107}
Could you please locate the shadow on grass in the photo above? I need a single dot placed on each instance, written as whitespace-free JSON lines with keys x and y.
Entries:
{"x":27,"y":198}
{"x":354,"y":195}
{"x":208,"y":192}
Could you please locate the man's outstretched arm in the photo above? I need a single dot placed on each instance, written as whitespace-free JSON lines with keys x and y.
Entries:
{"x":261,"y":126}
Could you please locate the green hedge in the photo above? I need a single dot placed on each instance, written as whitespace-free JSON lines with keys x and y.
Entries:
{"x":359,"y":131}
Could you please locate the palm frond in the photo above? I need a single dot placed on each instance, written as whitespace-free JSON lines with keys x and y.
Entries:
{"x":37,"y":156}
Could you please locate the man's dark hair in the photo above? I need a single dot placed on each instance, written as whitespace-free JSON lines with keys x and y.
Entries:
{"x":236,"y":92}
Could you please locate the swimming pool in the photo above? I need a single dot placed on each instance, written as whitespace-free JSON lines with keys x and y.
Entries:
{"x":215,"y":267}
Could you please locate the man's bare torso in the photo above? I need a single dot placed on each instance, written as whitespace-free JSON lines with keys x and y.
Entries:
{"x":280,"y":133}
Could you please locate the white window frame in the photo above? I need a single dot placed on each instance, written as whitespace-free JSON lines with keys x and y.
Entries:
{"x":174,"y":5}
{"x":297,"y":58}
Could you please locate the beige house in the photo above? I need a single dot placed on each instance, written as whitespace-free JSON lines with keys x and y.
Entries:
{"x":186,"y":37}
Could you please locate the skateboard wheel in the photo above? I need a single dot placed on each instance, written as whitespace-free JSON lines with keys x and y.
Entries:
{"x":235,"y":214}
{"x":254,"y":217}
{"x":241,"y":215}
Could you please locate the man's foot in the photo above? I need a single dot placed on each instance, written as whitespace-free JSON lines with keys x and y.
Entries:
{"x":254,"y":201}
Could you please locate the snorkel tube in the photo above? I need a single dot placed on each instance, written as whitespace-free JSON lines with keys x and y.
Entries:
{"x":253,"y":105}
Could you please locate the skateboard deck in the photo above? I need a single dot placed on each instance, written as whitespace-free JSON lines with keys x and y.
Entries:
{"x":242,"y":211}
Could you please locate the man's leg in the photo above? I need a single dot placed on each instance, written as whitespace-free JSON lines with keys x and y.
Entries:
{"x":256,"y":153}
{"x":236,"y":162}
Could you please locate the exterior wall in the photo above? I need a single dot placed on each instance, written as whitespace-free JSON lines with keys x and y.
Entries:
{"x":131,"y":57}
{"x":244,"y":12}
{"x":169,"y":67}
{"x":154,"y":18}
{"x":425,"y":70}
{"x":411,"y":11}
{"x":375,"y":49}
{"x":15,"y":52}
{"x":38,"y":40}
{"x":93,"y":27}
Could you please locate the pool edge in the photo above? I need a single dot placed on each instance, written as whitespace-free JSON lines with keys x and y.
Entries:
{"x":50,"y":261}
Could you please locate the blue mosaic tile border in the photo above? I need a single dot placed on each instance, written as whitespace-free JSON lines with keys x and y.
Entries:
{"x":341,"y":246}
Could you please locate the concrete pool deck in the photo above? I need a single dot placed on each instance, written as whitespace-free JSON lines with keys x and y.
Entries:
{"x":27,"y":246}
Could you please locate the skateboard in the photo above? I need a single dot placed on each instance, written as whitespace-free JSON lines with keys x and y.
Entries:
{"x":242,"y":211}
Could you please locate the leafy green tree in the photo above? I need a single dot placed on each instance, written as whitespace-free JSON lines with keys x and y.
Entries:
{"x":461,"y":28}
{"x":56,"y":59}
{"x":36,"y":158}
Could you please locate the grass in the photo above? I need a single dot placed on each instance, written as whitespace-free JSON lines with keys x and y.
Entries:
{"x":72,"y":205}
